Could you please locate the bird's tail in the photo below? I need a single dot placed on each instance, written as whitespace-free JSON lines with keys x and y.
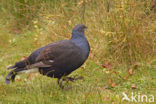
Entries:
{"x":12,"y":67}
{"x":11,"y":76}
{"x":20,"y":64}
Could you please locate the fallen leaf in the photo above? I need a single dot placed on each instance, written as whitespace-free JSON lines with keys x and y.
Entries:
{"x":107,"y":65}
{"x":133,"y":86}
{"x":130,"y":72}
{"x":113,"y":84}
{"x":110,"y":80}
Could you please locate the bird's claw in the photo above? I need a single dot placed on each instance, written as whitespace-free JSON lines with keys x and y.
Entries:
{"x":67,"y":79}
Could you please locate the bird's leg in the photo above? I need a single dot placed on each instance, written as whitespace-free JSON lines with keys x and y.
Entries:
{"x":59,"y":82}
{"x":61,"y":85}
{"x":74,"y":78}
{"x":67,"y":79}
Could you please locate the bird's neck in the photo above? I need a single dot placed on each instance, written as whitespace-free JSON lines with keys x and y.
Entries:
{"x":78,"y":38}
{"x":76,"y":35}
{"x":81,"y":41}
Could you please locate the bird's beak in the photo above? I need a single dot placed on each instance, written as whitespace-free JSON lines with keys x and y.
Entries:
{"x":85,"y":27}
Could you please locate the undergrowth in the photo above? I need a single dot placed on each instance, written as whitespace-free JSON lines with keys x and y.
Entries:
{"x":123,"y":48}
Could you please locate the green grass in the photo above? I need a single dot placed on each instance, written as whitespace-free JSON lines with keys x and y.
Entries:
{"x":94,"y":89}
{"x":120,"y":33}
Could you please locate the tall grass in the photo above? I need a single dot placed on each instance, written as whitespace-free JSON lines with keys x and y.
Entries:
{"x":120,"y":31}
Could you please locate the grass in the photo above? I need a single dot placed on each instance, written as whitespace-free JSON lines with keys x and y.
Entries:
{"x":123,"y":46}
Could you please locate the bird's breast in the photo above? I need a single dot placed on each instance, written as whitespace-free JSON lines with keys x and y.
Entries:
{"x":83,"y":44}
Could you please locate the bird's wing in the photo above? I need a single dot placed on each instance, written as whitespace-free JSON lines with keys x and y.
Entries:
{"x":56,"y":51}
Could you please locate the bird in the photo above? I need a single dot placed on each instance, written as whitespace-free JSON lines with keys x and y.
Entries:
{"x":57,"y":59}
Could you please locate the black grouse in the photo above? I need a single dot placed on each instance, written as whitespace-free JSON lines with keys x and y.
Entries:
{"x":56,"y":59}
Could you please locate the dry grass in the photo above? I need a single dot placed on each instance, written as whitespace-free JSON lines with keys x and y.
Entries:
{"x":121,"y":33}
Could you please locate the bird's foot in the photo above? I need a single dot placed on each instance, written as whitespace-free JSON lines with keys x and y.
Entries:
{"x":66,"y":80}
{"x":60,"y":83}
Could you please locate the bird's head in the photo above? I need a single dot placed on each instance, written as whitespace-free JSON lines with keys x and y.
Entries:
{"x":79,"y":29}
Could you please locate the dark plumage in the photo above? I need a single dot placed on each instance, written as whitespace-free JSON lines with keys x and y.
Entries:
{"x":56,"y":59}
